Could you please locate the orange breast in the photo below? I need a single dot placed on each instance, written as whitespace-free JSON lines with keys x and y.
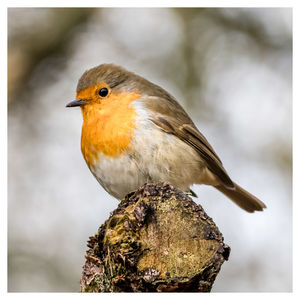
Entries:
{"x":108,"y":126}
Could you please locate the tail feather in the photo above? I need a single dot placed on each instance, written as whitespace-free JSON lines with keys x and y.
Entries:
{"x":242,"y":198}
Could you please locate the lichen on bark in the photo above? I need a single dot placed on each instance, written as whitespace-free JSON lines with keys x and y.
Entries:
{"x":157,"y":239}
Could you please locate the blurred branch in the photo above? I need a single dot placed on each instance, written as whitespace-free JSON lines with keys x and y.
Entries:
{"x":27,"y":49}
{"x":188,"y":48}
{"x":249,"y":24}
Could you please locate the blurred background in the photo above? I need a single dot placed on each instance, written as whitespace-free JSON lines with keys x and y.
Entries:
{"x":230,"y":68}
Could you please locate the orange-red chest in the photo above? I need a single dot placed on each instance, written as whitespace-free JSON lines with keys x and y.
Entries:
{"x":108,"y":127}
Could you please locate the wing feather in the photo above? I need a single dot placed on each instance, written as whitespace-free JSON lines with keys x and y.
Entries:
{"x":171,"y":117}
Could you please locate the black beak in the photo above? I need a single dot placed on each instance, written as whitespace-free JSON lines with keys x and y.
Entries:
{"x":77,"y":102}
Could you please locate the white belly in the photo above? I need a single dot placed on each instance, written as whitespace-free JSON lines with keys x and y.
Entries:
{"x":154,"y":156}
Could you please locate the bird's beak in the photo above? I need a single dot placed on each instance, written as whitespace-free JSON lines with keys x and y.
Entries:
{"x":77,"y":102}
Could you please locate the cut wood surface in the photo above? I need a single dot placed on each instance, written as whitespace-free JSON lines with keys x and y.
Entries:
{"x":157,"y":240}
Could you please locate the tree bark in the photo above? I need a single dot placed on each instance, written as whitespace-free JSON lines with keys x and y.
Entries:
{"x":157,"y":240}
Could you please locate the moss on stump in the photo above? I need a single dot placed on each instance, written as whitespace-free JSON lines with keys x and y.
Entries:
{"x":157,"y":240}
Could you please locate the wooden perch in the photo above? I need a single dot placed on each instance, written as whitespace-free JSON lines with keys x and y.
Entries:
{"x":157,"y":240}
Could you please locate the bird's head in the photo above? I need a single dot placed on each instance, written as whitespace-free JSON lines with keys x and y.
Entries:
{"x":107,"y":81}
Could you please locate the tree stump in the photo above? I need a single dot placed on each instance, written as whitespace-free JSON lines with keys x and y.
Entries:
{"x":157,"y":240}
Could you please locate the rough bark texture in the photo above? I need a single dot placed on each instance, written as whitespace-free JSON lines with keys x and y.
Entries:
{"x":157,"y":240}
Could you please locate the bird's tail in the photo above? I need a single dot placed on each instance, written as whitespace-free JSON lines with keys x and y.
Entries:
{"x":242,"y":198}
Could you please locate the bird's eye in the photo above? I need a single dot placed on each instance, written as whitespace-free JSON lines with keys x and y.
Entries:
{"x":103,"y":92}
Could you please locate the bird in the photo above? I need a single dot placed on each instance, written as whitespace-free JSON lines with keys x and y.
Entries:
{"x":135,"y":132}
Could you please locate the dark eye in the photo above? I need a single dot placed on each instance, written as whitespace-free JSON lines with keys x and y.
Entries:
{"x":103,"y":92}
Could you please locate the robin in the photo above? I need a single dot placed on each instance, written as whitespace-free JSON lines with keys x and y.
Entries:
{"x":135,"y":132}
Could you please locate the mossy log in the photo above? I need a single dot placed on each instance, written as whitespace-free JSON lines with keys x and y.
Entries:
{"x":157,"y":240}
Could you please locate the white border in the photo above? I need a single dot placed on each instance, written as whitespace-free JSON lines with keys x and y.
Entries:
{"x":3,"y":150}
{"x":154,"y":3}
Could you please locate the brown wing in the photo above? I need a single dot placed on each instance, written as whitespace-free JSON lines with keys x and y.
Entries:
{"x":171,"y":117}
